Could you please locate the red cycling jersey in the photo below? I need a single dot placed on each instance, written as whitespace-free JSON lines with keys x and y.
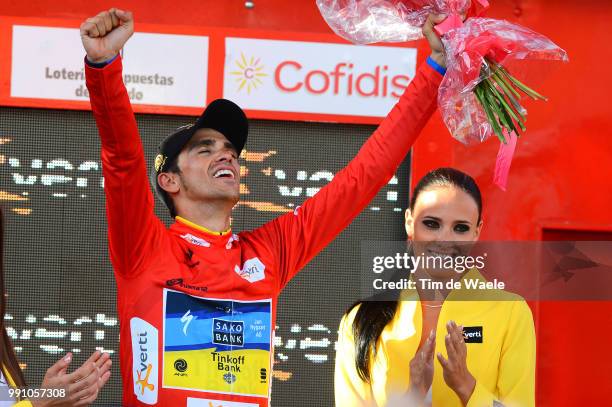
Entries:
{"x":197,"y":309}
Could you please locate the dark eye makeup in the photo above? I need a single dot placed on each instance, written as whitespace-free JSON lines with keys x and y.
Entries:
{"x":431,"y":224}
{"x":435,"y":224}
{"x":461,"y":228}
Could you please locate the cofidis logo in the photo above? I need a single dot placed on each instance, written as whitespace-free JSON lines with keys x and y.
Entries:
{"x":291,"y":76}
{"x":145,"y":360}
{"x":316,"y":77}
{"x":344,"y":79}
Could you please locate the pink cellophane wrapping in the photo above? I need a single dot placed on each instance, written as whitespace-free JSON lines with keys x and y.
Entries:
{"x":370,"y":21}
{"x":466,"y":49}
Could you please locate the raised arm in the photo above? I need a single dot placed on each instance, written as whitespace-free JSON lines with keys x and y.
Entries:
{"x":297,"y":237}
{"x":134,"y":230}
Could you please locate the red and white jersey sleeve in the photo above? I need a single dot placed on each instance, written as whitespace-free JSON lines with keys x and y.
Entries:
{"x":299,"y":236}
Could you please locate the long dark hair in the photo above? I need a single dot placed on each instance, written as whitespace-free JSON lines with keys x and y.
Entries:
{"x":10,"y":365}
{"x":373,"y":315}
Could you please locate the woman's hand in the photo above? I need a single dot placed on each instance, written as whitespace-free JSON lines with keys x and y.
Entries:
{"x":81,"y":386}
{"x":421,"y":369}
{"x":455,"y":371}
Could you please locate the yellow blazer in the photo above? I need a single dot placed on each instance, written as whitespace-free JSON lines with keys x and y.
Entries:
{"x":503,"y":364}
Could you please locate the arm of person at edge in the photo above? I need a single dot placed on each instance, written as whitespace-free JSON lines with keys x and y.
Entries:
{"x":298,"y":236}
{"x":134,"y":230}
{"x":82,"y":386}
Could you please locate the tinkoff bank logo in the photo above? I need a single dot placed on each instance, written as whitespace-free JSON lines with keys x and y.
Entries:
{"x":229,"y":333}
{"x":249,"y":74}
{"x":145,"y":362}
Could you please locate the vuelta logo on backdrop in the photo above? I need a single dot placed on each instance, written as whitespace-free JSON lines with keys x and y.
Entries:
{"x":346,"y":79}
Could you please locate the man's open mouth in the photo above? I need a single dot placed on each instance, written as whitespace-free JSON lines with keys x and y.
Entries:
{"x":224,"y":173}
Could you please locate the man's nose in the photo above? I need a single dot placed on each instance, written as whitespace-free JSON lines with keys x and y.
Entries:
{"x":225,"y":155}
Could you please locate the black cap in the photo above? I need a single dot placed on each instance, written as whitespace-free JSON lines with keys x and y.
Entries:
{"x":221,"y":115}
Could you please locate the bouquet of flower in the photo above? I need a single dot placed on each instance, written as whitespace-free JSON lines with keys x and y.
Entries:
{"x":479,"y":96}
{"x":369,"y":21}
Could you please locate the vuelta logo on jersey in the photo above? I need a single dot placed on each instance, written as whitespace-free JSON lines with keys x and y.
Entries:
{"x":145,"y":361}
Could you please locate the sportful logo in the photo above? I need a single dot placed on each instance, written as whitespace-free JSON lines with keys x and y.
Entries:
{"x":144,"y":355}
{"x":249,"y":74}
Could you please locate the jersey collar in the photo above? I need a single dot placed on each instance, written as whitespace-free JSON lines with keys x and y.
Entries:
{"x":202,"y":229}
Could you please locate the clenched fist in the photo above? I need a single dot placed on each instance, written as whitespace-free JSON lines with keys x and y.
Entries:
{"x":104,"y":35}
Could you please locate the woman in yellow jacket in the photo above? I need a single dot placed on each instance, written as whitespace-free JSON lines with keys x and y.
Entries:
{"x":446,"y":351}
{"x":81,"y":386}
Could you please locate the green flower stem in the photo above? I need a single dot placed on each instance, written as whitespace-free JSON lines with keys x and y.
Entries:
{"x":499,"y":111}
{"x":508,"y":88}
{"x":505,"y":105}
{"x":530,"y":92}
{"x":510,"y":93}
{"x":499,"y":94}
{"x":480,"y":95}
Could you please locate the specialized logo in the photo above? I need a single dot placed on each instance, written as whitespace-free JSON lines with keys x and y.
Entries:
{"x":195,"y":240}
{"x":252,"y":270}
{"x":145,"y":361}
{"x":472,"y":334}
{"x":229,"y":333}
{"x":249,"y":73}
{"x":186,"y":320}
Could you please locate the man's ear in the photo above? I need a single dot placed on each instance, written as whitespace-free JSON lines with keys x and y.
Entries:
{"x":409,"y":223}
{"x":169,"y":182}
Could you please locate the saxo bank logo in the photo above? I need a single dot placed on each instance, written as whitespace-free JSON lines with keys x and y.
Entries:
{"x":145,"y":362}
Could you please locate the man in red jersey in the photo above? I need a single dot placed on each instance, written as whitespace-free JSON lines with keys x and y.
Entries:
{"x":197,"y":303}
